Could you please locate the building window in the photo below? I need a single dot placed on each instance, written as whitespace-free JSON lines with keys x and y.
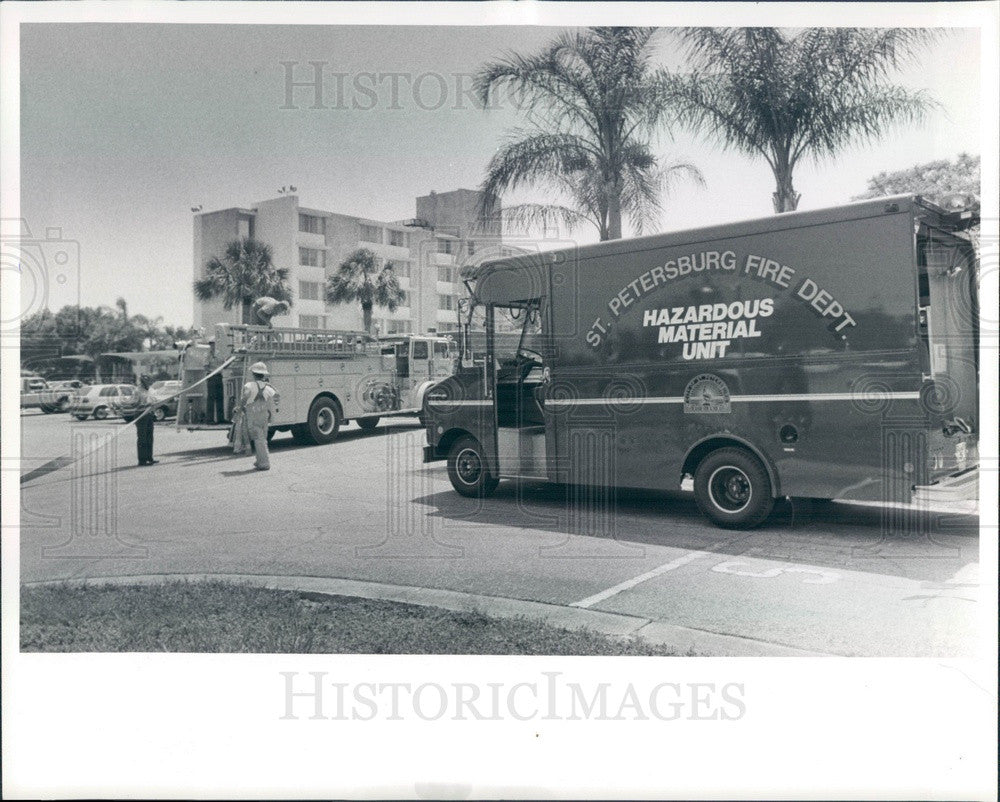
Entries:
{"x":243,"y":228}
{"x":445,"y":246}
{"x":312,"y":321}
{"x":312,"y":257}
{"x":309,"y":290}
{"x":446,"y":302}
{"x":312,"y":224}
{"x":371,"y":234}
{"x":404,"y":298}
{"x":400,"y":267}
{"x":397,"y":238}
{"x":447,"y":274}
{"x":388,"y":326}
{"x":471,"y":247}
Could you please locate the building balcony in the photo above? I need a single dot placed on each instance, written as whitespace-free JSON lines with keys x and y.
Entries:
{"x":306,"y":240}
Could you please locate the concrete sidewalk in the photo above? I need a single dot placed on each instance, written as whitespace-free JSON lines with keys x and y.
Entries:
{"x":684,"y":640}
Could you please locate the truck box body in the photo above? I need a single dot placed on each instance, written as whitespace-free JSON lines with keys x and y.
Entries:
{"x":838,"y":346}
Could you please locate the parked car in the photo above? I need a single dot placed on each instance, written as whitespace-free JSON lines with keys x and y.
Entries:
{"x":99,"y":400}
{"x":164,"y":395}
{"x":33,"y":389}
{"x":59,"y":395}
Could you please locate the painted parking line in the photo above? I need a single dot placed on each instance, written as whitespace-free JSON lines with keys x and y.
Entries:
{"x":681,"y":561}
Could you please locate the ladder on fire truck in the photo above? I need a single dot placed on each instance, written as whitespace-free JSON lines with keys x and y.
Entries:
{"x":276,"y":342}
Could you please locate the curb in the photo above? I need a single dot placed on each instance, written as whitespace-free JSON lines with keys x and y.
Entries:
{"x":683,"y":639}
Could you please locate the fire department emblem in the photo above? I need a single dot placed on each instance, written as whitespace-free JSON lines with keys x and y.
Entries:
{"x":707,"y":393}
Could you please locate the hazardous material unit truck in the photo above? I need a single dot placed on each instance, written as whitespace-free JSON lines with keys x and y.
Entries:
{"x":827,"y":354}
{"x":323,"y":378}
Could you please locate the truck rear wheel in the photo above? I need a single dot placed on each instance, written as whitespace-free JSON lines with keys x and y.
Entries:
{"x":467,"y":469}
{"x":732,"y":488}
{"x":368,"y":423}
{"x":324,"y":421}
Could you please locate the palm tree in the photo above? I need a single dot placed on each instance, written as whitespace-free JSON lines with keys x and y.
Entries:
{"x":243,"y":274}
{"x":361,"y":279}
{"x":591,"y":99}
{"x":785,"y":96}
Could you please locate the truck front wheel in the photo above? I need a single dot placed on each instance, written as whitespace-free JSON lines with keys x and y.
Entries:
{"x":324,"y":421}
{"x":467,"y":469}
{"x":732,"y":488}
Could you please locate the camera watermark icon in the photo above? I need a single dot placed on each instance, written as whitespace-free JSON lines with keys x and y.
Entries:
{"x":46,"y":266}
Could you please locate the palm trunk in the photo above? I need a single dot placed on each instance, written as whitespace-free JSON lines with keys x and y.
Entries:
{"x":614,"y":216}
{"x":366,"y":316}
{"x":786,"y":199}
{"x":245,"y":314}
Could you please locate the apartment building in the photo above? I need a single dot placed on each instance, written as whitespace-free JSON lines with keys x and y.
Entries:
{"x":426,"y":253}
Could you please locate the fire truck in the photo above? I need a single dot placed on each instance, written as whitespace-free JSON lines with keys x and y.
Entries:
{"x":324,"y":379}
{"x":829,"y":354}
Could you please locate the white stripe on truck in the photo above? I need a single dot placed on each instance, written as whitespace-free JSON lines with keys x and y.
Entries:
{"x":679,"y":399}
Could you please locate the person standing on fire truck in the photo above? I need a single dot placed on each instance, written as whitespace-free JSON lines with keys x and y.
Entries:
{"x":258,"y":409}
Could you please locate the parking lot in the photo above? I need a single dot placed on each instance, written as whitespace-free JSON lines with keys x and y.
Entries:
{"x":821,"y":578}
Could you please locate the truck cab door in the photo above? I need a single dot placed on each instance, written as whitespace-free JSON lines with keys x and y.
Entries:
{"x":420,"y":362}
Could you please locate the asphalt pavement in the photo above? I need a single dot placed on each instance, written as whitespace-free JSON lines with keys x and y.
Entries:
{"x":819,"y":578}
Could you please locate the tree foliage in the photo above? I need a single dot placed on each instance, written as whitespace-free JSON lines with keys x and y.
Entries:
{"x":244,"y":273}
{"x":590,"y":103}
{"x":938,"y":181}
{"x":91,"y":331}
{"x":789,"y":95}
{"x":362,"y":278}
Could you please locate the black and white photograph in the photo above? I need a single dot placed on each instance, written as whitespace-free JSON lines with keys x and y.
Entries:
{"x":500,"y":400}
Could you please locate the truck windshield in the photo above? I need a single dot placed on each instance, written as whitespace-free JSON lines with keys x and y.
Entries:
{"x":518,"y":331}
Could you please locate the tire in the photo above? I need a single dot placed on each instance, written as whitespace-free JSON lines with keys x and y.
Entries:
{"x":160,"y":413}
{"x":81,"y":417}
{"x":467,"y":469}
{"x":732,"y":489}
{"x":368,"y":423}
{"x":100,"y":413}
{"x":324,"y":421}
{"x":48,"y":409}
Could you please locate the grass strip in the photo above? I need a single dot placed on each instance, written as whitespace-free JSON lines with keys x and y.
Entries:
{"x":226,"y":617}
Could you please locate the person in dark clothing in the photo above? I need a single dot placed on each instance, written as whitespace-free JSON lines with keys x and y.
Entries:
{"x":144,"y":424}
{"x":216,"y":400}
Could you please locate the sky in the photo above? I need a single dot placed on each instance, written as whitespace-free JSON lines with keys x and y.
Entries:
{"x":125,"y":127}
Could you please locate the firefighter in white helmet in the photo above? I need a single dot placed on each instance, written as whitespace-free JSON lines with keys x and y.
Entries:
{"x":258,"y":408}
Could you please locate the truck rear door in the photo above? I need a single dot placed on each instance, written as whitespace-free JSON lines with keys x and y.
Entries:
{"x":949,"y":329}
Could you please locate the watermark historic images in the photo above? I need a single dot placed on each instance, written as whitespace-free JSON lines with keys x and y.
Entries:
{"x":320,"y":695}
